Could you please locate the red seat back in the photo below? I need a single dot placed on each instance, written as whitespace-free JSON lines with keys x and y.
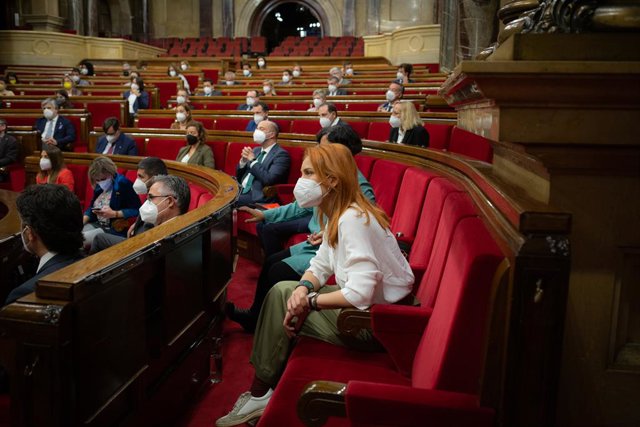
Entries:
{"x":361,"y":128}
{"x":470,"y":145}
{"x":365,"y":164}
{"x":379,"y":131}
{"x":155,"y":122}
{"x":438,"y":135}
{"x":229,"y":123}
{"x":204,"y":198}
{"x":283,"y":125}
{"x":386,"y":178}
{"x":307,"y":127}
{"x":80,"y":182}
{"x":196,"y":192}
{"x":219,"y":149}
{"x":297,"y":154}
{"x":291,"y":106}
{"x":410,"y":200}
{"x":450,"y":353}
{"x":100,"y":111}
{"x":234,"y":151}
{"x":166,"y":149}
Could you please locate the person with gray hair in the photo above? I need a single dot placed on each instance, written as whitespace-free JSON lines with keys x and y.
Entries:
{"x":337,"y":73}
{"x":169,"y":196}
{"x":8,"y":149}
{"x":53,"y":128}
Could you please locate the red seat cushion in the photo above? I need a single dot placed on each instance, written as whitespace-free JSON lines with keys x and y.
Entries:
{"x":438,"y":135}
{"x":196,"y":193}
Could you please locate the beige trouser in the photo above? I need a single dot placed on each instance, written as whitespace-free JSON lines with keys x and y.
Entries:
{"x":271,"y":346}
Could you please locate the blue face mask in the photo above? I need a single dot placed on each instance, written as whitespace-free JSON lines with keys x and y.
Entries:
{"x":106,"y":184}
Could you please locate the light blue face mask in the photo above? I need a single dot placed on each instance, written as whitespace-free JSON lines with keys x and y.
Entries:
{"x":106,"y":184}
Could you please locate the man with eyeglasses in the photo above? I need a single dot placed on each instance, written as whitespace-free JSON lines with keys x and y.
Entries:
{"x":168,"y":197}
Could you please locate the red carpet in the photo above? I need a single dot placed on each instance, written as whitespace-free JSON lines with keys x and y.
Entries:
{"x":237,"y":373}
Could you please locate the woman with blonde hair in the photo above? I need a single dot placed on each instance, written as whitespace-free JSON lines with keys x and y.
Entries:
{"x":53,"y":169}
{"x":183,"y":116}
{"x":319,"y":98}
{"x":268,"y":89}
{"x":406,"y":125}
{"x":196,"y":152}
{"x":357,"y":247}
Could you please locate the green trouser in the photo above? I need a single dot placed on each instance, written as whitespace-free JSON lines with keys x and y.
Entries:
{"x":271,"y":345}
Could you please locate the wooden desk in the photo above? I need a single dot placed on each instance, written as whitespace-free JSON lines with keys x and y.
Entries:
{"x":10,"y":222}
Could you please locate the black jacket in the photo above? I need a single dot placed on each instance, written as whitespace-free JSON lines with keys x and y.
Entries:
{"x":8,"y":150}
{"x":417,"y":135}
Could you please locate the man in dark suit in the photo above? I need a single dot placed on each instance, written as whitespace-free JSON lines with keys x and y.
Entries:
{"x":333,"y":86}
{"x":260,"y":113}
{"x":114,"y":141}
{"x":55,"y":129}
{"x":252,"y":98}
{"x":51,"y":218}
{"x":8,"y":148}
{"x":208,"y":89}
{"x":263,"y":166}
{"x":328,"y":114}
{"x":393,"y":94}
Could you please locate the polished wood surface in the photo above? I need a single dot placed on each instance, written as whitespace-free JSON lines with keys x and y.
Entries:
{"x":10,"y":222}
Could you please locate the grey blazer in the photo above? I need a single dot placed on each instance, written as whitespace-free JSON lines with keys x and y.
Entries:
{"x":203,"y":156}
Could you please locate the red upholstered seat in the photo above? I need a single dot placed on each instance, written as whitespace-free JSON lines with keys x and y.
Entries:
{"x":284,"y":126}
{"x":361,"y":128}
{"x":196,"y":193}
{"x":386,"y":178}
{"x":219,"y":149}
{"x":80,"y":182}
{"x":307,"y":127}
{"x":438,"y":135}
{"x":431,"y":212}
{"x":410,"y":202}
{"x":362,"y":106}
{"x":290,"y":106}
{"x":100,"y":111}
{"x":165,"y":90}
{"x":365,"y":164}
{"x":470,"y":145}
{"x":219,"y":106}
{"x":204,"y":198}
{"x":228,"y":123}
{"x":164,"y":148}
{"x":16,"y":178}
{"x":155,"y":122}
{"x":234,"y":151}
{"x":379,"y":131}
{"x":441,"y":351}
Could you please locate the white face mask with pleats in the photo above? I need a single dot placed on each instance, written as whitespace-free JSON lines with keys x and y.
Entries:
{"x":308,"y":193}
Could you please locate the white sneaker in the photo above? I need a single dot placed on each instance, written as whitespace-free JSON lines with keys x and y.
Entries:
{"x":246,"y":408}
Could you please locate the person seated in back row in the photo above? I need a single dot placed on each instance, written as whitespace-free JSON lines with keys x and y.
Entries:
{"x":262,"y":166}
{"x":196,"y":152}
{"x":250,"y":101}
{"x":208,"y":89}
{"x":168,"y":197}
{"x":407,"y":126}
{"x":328,"y":114}
{"x":114,"y":141}
{"x":260,"y":113}
{"x":53,"y":128}
{"x":333,"y":87}
{"x":393,"y":94}
{"x":51,"y":218}
{"x":183,"y":117}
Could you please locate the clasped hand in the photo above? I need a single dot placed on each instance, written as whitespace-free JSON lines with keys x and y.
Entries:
{"x":248,"y":154}
{"x":297,"y":310}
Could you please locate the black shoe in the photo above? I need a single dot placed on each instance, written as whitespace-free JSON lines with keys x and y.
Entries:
{"x":243,"y":316}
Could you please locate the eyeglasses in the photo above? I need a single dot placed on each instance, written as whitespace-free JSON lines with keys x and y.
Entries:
{"x":151,"y":196}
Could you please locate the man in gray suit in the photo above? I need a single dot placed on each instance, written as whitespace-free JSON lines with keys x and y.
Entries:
{"x":262,"y":166}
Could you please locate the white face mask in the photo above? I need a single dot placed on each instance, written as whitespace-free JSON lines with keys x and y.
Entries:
{"x":229,"y":82}
{"x":251,"y":101}
{"x":181,"y":117}
{"x":45,"y":164}
{"x":110,"y":138}
{"x":181,"y":99}
{"x":296,"y":73}
{"x":75,"y":78}
{"x":208,"y":90}
{"x":390,"y":95}
{"x":261,"y":63}
{"x":48,"y":114}
{"x":246,"y":73}
{"x":394,"y":121}
{"x":399,"y":75}
{"x":266,"y":89}
{"x":172,"y":73}
{"x":286,"y":78}
{"x":184,"y":66}
{"x":257,"y":118}
{"x":325,"y":122}
{"x":140,"y":187}
{"x":84,"y":71}
{"x":308,"y":193}
{"x":349,"y":72}
{"x":332,"y":88}
{"x":317,"y":102}
{"x":134,"y":86}
{"x":105,"y":184}
{"x":24,"y":241}
{"x":149,"y":211}
{"x":259,"y":136}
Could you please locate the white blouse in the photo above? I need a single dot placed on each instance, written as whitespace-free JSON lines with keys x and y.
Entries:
{"x":185,"y":158}
{"x":367,"y":262}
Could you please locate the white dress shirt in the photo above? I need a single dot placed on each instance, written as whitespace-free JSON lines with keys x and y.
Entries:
{"x":367,"y":262}
{"x":50,"y":127}
{"x":45,"y":259}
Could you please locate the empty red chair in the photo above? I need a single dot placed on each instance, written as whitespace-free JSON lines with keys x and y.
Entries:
{"x":379,"y":131}
{"x":307,"y":127}
{"x":164,"y":148}
{"x":228,"y":123}
{"x":146,"y":122}
{"x":438,"y":135}
{"x":365,"y":164}
{"x":361,"y":128}
{"x":470,"y":145}
{"x":283,"y":125}
{"x":196,"y":193}
{"x":219,"y":149}
{"x":386,"y":178}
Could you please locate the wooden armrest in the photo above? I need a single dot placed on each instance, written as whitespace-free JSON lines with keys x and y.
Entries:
{"x":320,"y":400}
{"x":351,"y":321}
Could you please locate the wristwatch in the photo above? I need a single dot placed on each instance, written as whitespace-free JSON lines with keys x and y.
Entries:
{"x":307,"y":284}
{"x":313,"y":300}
